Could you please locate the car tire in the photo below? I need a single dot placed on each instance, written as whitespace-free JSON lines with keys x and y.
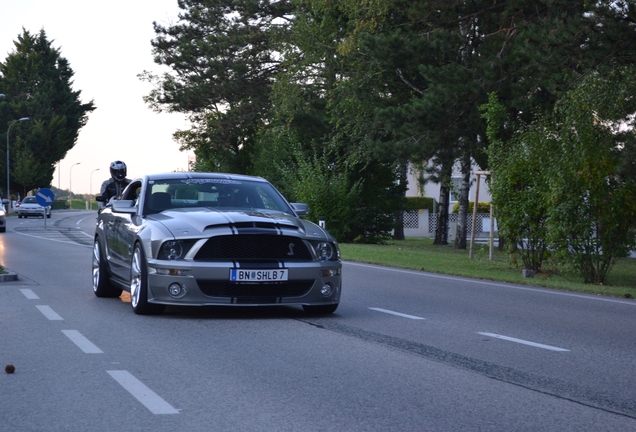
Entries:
{"x":3,"y":229}
{"x":48,"y":216}
{"x":139,"y":285}
{"x":101,"y":283}
{"x":19,"y":216}
{"x":321,"y":309}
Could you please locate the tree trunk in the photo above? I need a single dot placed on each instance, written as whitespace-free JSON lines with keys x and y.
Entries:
{"x":462,"y":216}
{"x":441,"y":234}
{"x":398,"y":230}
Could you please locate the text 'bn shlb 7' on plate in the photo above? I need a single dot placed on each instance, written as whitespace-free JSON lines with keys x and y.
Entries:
{"x":270,"y":275}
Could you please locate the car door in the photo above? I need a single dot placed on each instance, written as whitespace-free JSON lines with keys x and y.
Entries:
{"x":125,"y":227}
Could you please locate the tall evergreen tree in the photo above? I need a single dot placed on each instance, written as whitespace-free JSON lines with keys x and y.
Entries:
{"x":37,"y":82}
{"x":223,"y":60}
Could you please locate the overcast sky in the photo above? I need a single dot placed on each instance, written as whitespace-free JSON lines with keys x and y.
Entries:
{"x":107,"y":44}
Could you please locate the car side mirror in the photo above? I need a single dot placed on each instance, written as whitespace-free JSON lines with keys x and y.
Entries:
{"x":124,"y":206}
{"x":99,"y":198}
{"x":301,"y":209}
{"x":5,"y":201}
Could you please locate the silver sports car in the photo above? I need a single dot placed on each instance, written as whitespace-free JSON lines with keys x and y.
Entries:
{"x":193,"y":239}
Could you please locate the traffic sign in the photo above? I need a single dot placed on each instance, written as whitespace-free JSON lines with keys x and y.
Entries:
{"x":44,"y":197}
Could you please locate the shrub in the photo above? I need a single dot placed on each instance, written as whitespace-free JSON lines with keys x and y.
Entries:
{"x":416,"y":203}
{"x":482,"y":207}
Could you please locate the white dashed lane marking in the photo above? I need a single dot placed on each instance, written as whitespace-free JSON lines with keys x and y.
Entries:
{"x":397,"y":314}
{"x":49,"y":313}
{"x":142,"y":393}
{"x":84,"y":344}
{"x":29,"y":294}
{"x":524,"y":342}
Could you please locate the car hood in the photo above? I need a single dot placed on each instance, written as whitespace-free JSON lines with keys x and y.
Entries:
{"x":195,"y":222}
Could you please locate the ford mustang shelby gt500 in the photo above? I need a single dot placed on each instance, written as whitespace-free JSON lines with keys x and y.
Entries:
{"x":192,"y":239}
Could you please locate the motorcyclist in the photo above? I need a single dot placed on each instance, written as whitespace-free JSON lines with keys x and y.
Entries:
{"x":115,"y":185}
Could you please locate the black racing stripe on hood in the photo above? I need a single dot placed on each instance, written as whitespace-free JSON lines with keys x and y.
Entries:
{"x":257,"y":227}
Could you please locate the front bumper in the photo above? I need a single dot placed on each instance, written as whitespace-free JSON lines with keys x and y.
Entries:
{"x":31,"y":212}
{"x":208,"y":284}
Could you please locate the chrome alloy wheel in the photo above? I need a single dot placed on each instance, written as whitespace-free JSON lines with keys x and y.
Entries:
{"x":135,"y":277}
{"x":96,"y":266}
{"x":102,"y":286}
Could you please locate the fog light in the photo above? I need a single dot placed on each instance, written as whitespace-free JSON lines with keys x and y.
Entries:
{"x":176,"y":290}
{"x":326,"y":290}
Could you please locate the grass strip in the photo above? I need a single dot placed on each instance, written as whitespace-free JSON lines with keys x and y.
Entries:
{"x":421,"y":254}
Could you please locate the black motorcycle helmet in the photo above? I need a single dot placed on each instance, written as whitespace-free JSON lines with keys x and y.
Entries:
{"x":118,"y":170}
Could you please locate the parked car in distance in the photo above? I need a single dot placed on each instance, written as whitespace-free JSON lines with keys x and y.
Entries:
{"x":201,"y":239}
{"x":30,"y":207}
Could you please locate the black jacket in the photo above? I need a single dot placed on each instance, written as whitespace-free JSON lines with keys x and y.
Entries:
{"x":112,"y":188}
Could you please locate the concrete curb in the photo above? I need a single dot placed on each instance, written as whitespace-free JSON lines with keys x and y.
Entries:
{"x":8,"y":276}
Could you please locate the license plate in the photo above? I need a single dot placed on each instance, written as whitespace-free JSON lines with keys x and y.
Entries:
{"x":269,"y":275}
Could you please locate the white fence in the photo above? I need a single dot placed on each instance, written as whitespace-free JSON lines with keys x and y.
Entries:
{"x":419,"y":223}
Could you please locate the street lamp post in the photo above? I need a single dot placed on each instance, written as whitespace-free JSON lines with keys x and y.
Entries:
{"x":70,"y":187}
{"x":90,"y":204}
{"x":8,"y":189}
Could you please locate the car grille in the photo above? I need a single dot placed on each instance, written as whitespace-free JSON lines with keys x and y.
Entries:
{"x":254,"y":247}
{"x":255,"y":293}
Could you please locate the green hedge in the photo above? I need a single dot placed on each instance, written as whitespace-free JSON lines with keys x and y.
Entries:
{"x":416,"y":203}
{"x":482,"y":207}
{"x":59,"y":205}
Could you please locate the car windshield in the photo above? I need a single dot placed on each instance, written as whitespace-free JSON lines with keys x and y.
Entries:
{"x":29,"y":200}
{"x":217,"y":193}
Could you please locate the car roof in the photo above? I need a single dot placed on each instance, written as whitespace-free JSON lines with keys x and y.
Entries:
{"x":200,"y":175}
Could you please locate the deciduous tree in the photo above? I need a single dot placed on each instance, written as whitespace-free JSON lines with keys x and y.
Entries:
{"x":592,"y":200}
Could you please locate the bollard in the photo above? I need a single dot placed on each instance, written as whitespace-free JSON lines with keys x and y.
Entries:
{"x":321,"y":221}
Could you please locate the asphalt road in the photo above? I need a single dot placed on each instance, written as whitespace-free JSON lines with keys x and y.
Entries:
{"x":405,"y":351}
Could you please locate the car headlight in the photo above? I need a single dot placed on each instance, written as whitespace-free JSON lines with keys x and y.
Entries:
{"x":2,"y":213}
{"x":174,"y":249}
{"x":326,"y":251}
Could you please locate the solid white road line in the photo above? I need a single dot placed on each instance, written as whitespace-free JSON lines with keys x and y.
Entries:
{"x":49,"y":313}
{"x":29,"y":294}
{"x":397,"y":313}
{"x":142,"y":393}
{"x":82,"y":220}
{"x":521,"y":341}
{"x":84,"y":344}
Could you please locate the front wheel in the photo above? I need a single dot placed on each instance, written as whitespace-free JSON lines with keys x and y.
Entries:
{"x":320,"y":310}
{"x":101,"y":285}
{"x":139,"y":286}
